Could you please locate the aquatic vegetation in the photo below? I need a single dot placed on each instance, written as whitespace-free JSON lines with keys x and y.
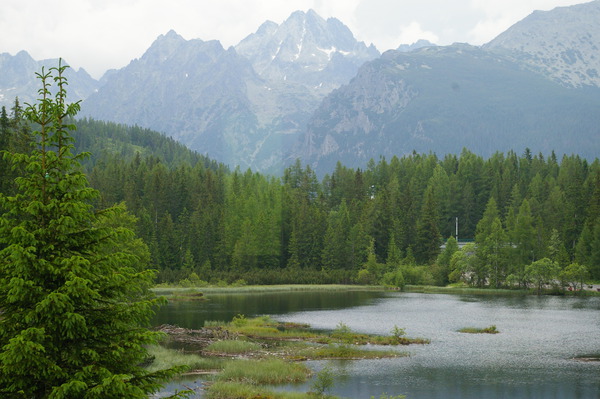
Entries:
{"x":473,"y":330}
{"x":266,"y":352}
{"x":323,"y":382}
{"x":161,"y":357}
{"x":240,"y":390}
{"x":264,"y":371}
{"x":233,"y":347}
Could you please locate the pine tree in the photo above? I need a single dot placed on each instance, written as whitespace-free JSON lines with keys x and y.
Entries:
{"x":492,"y":243}
{"x":524,"y":239}
{"x":428,"y":233}
{"x":443,"y":260}
{"x":74,"y":304}
{"x":594,"y":259}
{"x":337,"y":245}
{"x":4,"y":137}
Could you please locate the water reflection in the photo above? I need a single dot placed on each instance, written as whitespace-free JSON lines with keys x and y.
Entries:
{"x":225,"y":306}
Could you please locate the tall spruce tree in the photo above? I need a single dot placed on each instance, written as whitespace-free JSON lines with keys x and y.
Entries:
{"x":73,"y":300}
{"x":4,"y":136}
{"x":428,"y":233}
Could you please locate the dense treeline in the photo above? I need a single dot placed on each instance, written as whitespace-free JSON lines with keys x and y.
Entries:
{"x":381,"y":224}
{"x":101,"y":139}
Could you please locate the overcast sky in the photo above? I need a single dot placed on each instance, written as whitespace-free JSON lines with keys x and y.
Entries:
{"x":103,"y":34}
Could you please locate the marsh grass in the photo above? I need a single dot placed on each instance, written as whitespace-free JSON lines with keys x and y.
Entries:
{"x":344,"y":335}
{"x":233,"y":347}
{"x":265,"y":328}
{"x":164,"y":358}
{"x":188,"y":296}
{"x":333,"y":351}
{"x":475,"y":330}
{"x":264,"y":372}
{"x":272,"y":359}
{"x":239,"y":390}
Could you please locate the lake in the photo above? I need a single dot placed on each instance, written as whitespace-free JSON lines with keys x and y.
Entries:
{"x":533,"y":356}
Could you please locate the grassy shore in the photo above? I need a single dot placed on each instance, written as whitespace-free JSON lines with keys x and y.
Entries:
{"x":462,"y":290}
{"x":174,"y":291}
{"x":246,"y":354}
{"x":465,"y":290}
{"x":197,"y":293}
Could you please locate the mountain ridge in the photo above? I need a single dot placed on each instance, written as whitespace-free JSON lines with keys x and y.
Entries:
{"x":561,"y":43}
{"x":276,"y":77}
{"x":18,"y":79}
{"x":306,"y":88}
{"x":441,"y":99}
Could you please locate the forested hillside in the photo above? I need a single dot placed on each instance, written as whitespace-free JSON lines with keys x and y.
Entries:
{"x":386,"y":223}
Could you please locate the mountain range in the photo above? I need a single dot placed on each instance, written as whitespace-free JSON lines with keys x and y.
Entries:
{"x":18,"y":79}
{"x":306,"y":88}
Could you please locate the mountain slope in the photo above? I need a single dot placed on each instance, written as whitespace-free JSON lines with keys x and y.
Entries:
{"x":18,"y":79}
{"x":194,"y":91}
{"x":442,"y":99}
{"x":562,"y":43}
{"x":243,"y":106}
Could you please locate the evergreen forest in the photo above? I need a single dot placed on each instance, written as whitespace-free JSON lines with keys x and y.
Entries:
{"x":523,"y":219}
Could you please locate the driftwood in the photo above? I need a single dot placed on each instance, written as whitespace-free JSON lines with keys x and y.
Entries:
{"x":201,"y":337}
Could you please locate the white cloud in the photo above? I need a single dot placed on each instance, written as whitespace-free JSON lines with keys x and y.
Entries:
{"x":412,"y":32}
{"x":499,"y":15}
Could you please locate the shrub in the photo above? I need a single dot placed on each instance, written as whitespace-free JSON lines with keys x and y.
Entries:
{"x":323,"y":381}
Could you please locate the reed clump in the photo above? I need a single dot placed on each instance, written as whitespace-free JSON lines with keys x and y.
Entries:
{"x":474,"y":330}
{"x":271,"y":371}
{"x":233,"y":347}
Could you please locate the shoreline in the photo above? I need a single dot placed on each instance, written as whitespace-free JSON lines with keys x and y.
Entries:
{"x":182,"y":293}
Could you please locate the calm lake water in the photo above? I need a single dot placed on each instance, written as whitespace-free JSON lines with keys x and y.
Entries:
{"x":532,"y":357}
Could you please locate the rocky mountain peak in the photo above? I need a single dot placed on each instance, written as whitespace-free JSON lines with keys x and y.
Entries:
{"x":561,"y":44}
{"x":18,"y":79}
{"x":415,"y":46}
{"x":305,"y":43}
{"x":172,"y":46}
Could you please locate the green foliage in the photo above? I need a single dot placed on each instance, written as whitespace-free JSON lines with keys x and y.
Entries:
{"x":394,"y":279}
{"x":542,"y":272}
{"x":197,"y":216}
{"x":192,"y":281}
{"x":365,"y":277}
{"x":342,"y":329}
{"x":74,"y":299}
{"x":442,"y":270}
{"x":323,"y":382}
{"x":428,"y":233}
{"x":239,"y":320}
{"x":575,"y":276}
{"x":398,"y":332}
{"x":417,"y":275}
